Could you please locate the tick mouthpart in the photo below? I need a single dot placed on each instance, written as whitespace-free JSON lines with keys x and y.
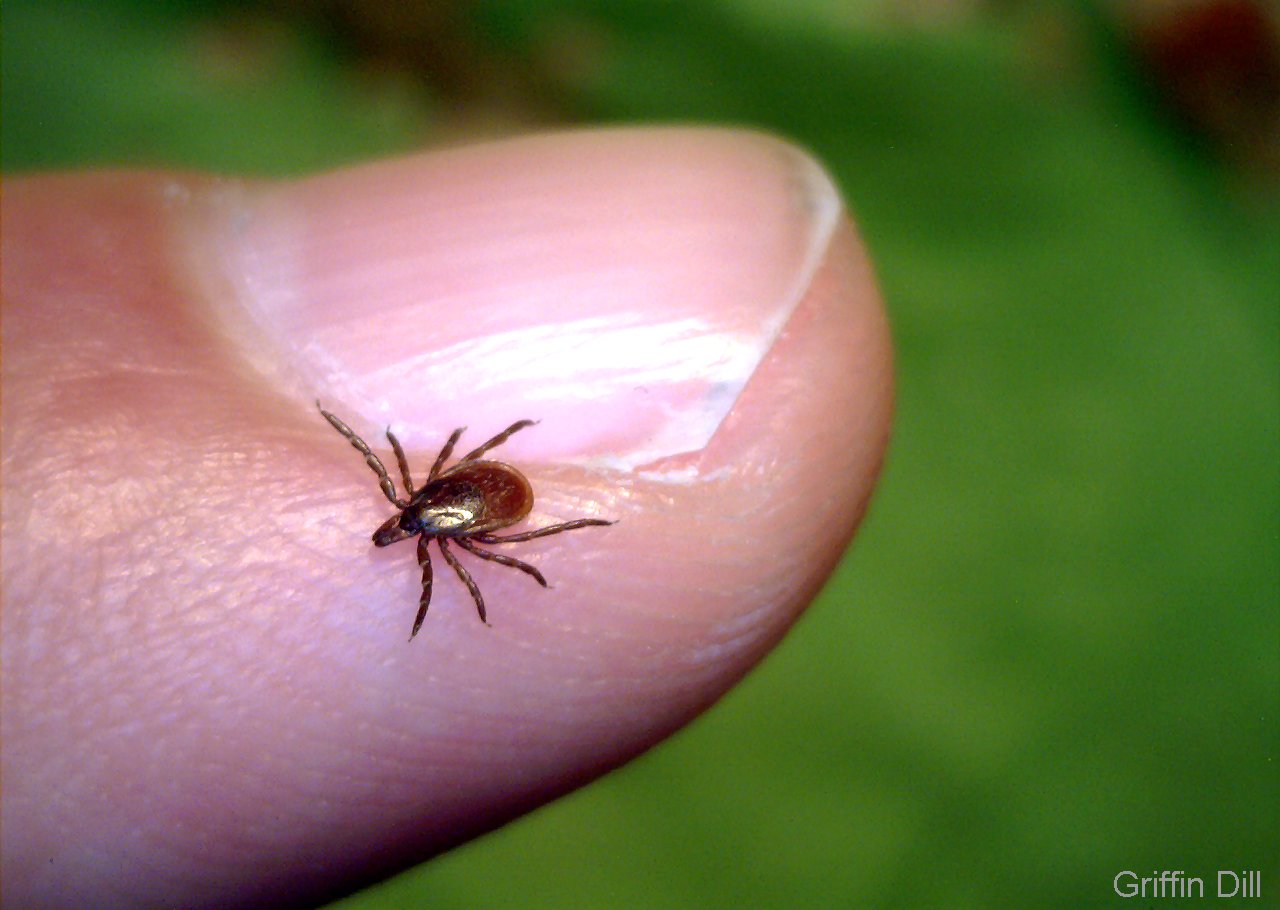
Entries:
{"x":391,"y":531}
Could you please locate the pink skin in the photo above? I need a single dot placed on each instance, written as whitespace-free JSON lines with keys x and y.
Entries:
{"x":208,"y":694}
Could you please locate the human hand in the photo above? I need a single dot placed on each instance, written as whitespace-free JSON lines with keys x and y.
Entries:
{"x":208,"y":696}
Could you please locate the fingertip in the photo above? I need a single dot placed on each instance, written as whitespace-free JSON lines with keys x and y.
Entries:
{"x":724,"y":547}
{"x":728,"y":395}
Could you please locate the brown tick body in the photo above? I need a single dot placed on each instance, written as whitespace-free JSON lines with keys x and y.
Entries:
{"x":463,"y":504}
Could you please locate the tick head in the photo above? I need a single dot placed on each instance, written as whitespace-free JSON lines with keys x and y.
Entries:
{"x":396,"y":528}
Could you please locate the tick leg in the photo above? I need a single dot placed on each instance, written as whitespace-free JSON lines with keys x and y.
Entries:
{"x":384,"y":481}
{"x":541,"y":532}
{"x":466,"y":578}
{"x":424,"y":560}
{"x":501,"y":560}
{"x":498,"y":440}
{"x":403,"y":462}
{"x":444,"y":454}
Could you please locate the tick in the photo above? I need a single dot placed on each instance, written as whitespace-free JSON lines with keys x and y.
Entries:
{"x":463,"y":504}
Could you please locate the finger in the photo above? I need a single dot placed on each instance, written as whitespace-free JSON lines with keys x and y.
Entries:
{"x":208,"y":693}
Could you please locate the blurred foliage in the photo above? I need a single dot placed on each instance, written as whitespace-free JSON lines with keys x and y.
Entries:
{"x":1055,"y":651}
{"x":88,"y":83}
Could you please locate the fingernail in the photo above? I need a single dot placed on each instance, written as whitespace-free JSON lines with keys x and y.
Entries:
{"x":620,"y":286}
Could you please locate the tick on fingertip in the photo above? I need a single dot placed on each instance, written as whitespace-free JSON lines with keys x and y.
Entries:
{"x":463,"y":504}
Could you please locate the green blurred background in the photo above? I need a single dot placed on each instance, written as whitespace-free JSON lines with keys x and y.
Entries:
{"x":1054,"y":653}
